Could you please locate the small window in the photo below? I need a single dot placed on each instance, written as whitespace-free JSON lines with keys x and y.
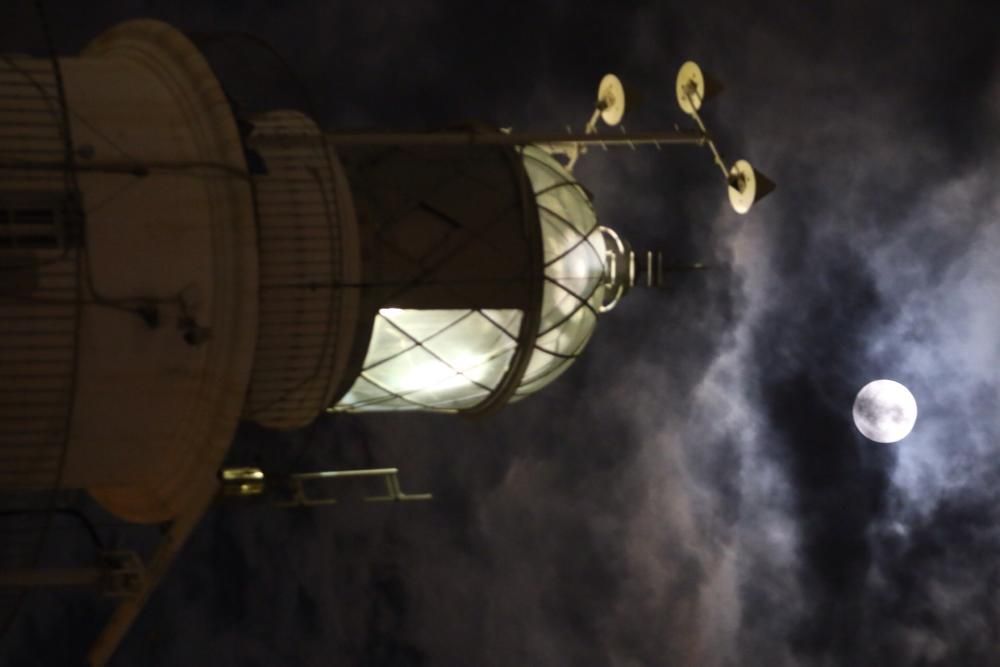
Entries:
{"x":37,"y":221}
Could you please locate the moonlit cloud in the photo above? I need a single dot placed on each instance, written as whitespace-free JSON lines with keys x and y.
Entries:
{"x":930,"y":262}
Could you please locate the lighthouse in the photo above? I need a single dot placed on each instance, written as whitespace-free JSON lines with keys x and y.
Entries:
{"x":172,"y":263}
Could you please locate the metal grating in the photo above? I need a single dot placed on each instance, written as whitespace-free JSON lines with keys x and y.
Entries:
{"x":40,"y":220}
{"x":299,"y":254}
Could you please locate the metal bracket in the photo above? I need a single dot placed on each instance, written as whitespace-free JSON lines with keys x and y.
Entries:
{"x":301,"y":498}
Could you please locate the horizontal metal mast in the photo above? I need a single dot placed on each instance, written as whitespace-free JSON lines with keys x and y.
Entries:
{"x":480,"y":138}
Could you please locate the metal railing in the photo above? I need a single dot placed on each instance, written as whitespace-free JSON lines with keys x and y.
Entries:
{"x":40,"y":223}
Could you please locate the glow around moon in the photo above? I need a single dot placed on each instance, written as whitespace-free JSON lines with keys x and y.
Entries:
{"x":885,"y":411}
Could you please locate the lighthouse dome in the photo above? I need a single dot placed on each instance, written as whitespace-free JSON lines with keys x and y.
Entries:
{"x":575,"y":271}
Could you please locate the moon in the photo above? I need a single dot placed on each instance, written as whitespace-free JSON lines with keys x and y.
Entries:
{"x":885,"y":411}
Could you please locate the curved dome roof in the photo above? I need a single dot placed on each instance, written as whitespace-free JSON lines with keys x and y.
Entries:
{"x":574,"y":255}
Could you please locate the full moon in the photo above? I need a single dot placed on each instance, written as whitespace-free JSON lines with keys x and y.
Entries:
{"x":885,"y":411}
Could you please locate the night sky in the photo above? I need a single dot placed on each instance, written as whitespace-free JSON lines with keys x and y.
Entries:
{"x":693,"y":491}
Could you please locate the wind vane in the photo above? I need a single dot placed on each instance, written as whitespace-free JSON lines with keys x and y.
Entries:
{"x":744,"y":184}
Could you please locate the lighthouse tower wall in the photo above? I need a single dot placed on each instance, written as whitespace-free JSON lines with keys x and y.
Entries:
{"x":164,"y":271}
